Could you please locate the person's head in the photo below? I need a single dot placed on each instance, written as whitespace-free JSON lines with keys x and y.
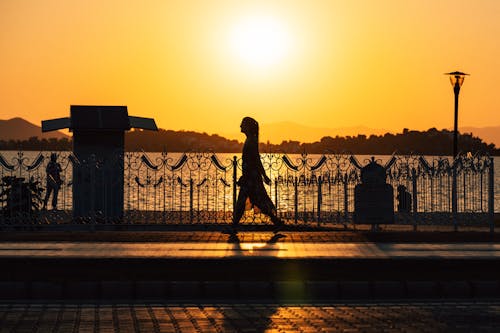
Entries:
{"x":53,"y":157}
{"x":250,"y":126}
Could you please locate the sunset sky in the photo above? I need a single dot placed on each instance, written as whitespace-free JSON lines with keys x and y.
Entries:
{"x":203,"y":65}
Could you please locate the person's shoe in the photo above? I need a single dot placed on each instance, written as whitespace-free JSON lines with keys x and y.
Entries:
{"x":230,"y":230}
{"x":233,"y":238}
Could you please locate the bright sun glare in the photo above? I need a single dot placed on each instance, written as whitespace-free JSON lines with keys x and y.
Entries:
{"x":260,"y":41}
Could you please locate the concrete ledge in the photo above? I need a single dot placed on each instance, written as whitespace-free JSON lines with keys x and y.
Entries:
{"x":322,"y":290}
{"x":13,"y":290}
{"x":150,"y":289}
{"x":185,"y":289}
{"x":47,"y":290}
{"x":290,"y":290}
{"x":117,"y":290}
{"x":422,"y":289}
{"x":389,"y":289}
{"x":82,"y":290}
{"x":248,"y":290}
{"x":220,"y":289}
{"x":456,"y":289}
{"x":486,"y":289}
{"x":355,"y":289}
{"x":255,"y":289}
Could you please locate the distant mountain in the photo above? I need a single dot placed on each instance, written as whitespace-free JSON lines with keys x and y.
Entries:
{"x":430,"y":142}
{"x":20,"y":129}
{"x":290,"y":131}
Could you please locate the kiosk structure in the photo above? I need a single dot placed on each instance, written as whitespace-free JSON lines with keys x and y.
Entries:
{"x":99,"y":147}
{"x":373,"y":197}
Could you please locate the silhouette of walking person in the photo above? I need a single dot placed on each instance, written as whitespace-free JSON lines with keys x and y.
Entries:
{"x":54,"y":181}
{"x":252,"y":192}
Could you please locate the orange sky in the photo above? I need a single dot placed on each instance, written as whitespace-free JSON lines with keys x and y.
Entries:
{"x":378,"y":64}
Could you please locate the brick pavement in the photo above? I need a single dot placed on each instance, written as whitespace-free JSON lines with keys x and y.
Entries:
{"x":340,"y":317}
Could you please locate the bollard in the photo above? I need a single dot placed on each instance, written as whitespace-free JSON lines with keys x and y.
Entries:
{"x":491,"y":196}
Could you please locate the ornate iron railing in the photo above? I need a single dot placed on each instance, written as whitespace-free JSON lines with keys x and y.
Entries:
{"x":199,"y":188}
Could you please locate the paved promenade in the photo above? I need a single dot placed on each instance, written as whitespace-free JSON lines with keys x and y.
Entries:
{"x":206,"y":281}
{"x":269,"y":317}
{"x":272,"y":249}
{"x":294,"y":265}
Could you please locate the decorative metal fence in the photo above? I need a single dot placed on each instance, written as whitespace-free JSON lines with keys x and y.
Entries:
{"x":200,"y":188}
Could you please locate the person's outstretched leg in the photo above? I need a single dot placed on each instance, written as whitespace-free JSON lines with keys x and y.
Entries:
{"x":271,"y":212}
{"x":239,"y":208}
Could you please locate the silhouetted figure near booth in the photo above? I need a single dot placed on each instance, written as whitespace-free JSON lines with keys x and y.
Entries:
{"x":252,"y":192}
{"x":404,"y":199}
{"x":54,"y":181}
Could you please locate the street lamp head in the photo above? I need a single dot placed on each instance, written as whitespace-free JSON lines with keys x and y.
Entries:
{"x":456,"y":78}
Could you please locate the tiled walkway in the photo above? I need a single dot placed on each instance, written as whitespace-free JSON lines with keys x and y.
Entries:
{"x":390,"y":234}
{"x":375,"y":317}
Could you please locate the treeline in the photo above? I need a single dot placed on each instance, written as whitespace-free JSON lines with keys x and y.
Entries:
{"x":179,"y":141}
{"x":430,"y":142}
{"x":34,"y":143}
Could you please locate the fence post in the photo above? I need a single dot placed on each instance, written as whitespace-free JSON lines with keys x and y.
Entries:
{"x":491,"y":196}
{"x":346,"y":198}
{"x":191,"y":200}
{"x":415,"y":197}
{"x":235,"y":179}
{"x":454,"y":208}
{"x":92,"y":165}
{"x":320,"y":198}
{"x":296,"y":200}
{"x":276,"y":194}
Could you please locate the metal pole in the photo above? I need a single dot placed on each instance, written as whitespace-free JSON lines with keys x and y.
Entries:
{"x":454,"y":203}
{"x":235,"y":179}
{"x":320,"y":181}
{"x":456,"y":90}
{"x":454,"y":208}
{"x":491,"y":196}
{"x":296,"y":200}
{"x":93,"y":165}
{"x":191,"y":200}
{"x":346,"y":199}
{"x":276,"y":194}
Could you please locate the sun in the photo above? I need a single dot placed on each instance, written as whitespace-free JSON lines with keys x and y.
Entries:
{"x":260,"y":41}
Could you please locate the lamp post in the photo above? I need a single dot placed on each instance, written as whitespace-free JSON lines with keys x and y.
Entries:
{"x":456,"y":79}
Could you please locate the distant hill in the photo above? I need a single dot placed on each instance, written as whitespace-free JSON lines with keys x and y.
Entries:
{"x":430,"y":142}
{"x":290,"y":131}
{"x":20,"y":129}
{"x":286,"y":131}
